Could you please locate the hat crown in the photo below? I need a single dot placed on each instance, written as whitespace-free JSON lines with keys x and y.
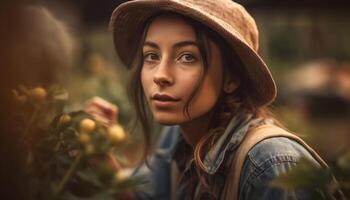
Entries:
{"x":231,"y":14}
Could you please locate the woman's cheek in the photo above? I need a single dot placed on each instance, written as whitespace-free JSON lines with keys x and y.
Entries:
{"x":206,"y":97}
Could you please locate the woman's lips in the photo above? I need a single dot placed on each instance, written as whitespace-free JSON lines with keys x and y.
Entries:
{"x":164,"y":100}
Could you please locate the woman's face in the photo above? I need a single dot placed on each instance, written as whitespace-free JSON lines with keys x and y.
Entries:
{"x":172,"y":68}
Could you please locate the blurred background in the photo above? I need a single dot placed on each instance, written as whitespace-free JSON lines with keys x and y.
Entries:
{"x":305,"y":43}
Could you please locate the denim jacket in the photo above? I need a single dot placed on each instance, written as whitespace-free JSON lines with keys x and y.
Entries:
{"x":264,"y":162}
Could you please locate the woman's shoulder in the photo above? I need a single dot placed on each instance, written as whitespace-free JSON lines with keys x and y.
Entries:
{"x":277,"y":150}
{"x":267,"y":160}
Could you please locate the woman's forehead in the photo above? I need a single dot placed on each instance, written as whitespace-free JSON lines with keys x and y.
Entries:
{"x":171,"y":26}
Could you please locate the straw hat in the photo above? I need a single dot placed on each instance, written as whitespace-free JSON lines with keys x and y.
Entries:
{"x":227,"y":18}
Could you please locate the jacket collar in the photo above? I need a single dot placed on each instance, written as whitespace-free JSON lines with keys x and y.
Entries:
{"x":230,"y":139}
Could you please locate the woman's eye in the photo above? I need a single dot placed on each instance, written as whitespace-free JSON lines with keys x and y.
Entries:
{"x":150,"y":57}
{"x":187,"y":58}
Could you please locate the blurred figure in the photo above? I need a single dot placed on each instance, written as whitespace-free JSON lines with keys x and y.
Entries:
{"x":36,"y":47}
{"x":321,"y":78}
{"x":35,"y":50}
{"x":320,"y":92}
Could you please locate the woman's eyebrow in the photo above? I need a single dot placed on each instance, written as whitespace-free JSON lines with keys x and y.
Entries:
{"x":185,"y":43}
{"x":176,"y":45}
{"x":151,"y":44}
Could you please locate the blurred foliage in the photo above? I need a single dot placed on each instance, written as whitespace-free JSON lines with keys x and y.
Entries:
{"x":99,"y":72}
{"x":324,"y":183}
{"x":59,"y":149}
{"x":99,"y":77}
{"x":291,"y":39}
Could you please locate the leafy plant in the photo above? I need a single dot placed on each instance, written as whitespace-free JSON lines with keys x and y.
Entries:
{"x":64,"y":153}
{"x":324,"y":183}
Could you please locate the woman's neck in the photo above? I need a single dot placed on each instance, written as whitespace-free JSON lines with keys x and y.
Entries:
{"x":195,"y":129}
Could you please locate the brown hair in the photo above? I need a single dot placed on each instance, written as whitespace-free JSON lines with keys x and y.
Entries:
{"x":225,"y":106}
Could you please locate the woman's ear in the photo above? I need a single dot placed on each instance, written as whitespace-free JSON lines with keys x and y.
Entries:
{"x":230,"y":86}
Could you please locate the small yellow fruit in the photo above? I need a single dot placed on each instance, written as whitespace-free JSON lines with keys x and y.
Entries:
{"x":65,"y":119}
{"x":87,"y":125}
{"x":116,"y":133}
{"x":121,"y":175}
{"x":84,"y":138}
{"x":38,"y":93}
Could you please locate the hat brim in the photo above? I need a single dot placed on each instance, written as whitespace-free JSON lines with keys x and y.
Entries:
{"x":127,"y":23}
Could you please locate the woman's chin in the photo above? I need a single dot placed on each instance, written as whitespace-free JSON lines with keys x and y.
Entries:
{"x":169,"y":120}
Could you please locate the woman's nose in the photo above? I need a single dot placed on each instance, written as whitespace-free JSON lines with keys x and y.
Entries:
{"x":163,"y":76}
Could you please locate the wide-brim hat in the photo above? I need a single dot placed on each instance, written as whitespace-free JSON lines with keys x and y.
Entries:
{"x":229,"y":19}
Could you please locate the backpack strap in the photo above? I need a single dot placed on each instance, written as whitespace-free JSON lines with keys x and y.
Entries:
{"x":174,"y":179}
{"x":253,"y":137}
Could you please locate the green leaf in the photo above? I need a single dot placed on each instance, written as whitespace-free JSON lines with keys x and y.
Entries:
{"x":61,"y":95}
{"x":89,"y":176}
{"x":64,"y":159}
{"x":69,"y":135}
{"x":304,"y":175}
{"x":344,"y":161}
{"x":103,"y":196}
{"x":131,"y":182}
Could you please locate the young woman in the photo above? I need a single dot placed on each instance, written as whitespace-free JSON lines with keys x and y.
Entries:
{"x":195,"y":68}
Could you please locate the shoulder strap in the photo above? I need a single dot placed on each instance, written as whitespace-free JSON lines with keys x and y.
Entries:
{"x":253,"y":137}
{"x":174,"y":179}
